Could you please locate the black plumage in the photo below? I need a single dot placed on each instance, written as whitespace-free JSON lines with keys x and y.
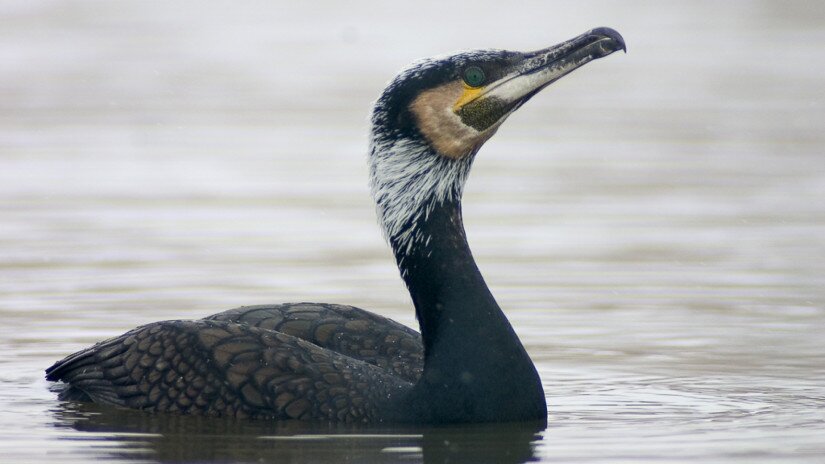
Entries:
{"x":290,"y":361}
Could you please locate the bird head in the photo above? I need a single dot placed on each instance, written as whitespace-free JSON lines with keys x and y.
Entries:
{"x":434,"y":116}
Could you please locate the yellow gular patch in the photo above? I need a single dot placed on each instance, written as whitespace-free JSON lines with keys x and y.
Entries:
{"x":469,"y":94}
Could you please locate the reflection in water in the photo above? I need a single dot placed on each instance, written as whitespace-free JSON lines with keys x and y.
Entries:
{"x":134,"y":435}
{"x":487,"y":443}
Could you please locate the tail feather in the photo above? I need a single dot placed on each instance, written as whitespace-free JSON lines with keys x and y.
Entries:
{"x":83,"y":372}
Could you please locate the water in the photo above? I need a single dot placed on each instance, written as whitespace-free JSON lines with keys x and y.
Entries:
{"x":653,"y":224}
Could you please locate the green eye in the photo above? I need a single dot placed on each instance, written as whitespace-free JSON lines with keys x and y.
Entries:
{"x":474,"y":76}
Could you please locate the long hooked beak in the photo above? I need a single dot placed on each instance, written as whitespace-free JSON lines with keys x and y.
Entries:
{"x":535,"y":71}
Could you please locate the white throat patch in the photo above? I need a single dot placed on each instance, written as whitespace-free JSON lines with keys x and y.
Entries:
{"x":407,"y":179}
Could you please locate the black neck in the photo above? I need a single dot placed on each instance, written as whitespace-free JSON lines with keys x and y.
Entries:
{"x":476,"y":369}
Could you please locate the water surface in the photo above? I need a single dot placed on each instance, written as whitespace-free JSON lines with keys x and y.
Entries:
{"x":653,"y":224}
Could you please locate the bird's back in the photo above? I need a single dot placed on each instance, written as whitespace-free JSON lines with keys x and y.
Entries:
{"x":304,"y":360}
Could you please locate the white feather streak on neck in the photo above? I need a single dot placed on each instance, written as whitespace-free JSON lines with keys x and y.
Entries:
{"x":408,"y":179}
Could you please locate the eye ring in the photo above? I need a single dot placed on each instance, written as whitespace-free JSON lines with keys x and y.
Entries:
{"x":474,"y":76}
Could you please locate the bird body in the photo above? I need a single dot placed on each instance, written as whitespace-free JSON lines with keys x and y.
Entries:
{"x":340,"y":363}
{"x":288,"y":361}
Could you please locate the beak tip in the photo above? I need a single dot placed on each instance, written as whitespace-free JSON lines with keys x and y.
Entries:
{"x":611,"y":34}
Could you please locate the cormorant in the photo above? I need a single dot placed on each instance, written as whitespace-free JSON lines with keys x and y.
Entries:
{"x":341,"y":363}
